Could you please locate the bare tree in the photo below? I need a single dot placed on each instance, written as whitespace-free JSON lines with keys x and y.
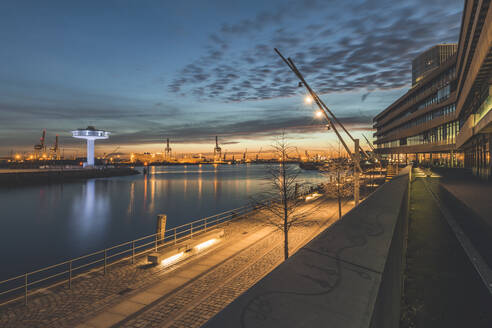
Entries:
{"x":284,"y":204}
{"x":340,"y":183}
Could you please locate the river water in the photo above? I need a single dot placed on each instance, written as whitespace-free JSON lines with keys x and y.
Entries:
{"x":46,"y":224}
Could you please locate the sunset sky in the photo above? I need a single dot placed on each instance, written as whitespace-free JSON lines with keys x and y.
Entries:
{"x":190,"y":70}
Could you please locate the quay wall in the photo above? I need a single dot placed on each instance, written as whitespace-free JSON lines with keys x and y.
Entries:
{"x":30,"y":177}
{"x":350,"y":275}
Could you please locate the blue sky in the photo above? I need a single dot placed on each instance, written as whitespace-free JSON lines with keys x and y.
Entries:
{"x":190,"y":70}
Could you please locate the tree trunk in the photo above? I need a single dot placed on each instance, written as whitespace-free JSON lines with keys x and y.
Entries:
{"x":286,"y":244}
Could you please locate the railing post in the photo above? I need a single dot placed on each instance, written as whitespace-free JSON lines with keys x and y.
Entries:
{"x":205,"y":224}
{"x":175,"y":241}
{"x":105,"y":260}
{"x":191,"y":230}
{"x":70,"y":275}
{"x":25,"y":289}
{"x":156,"y":242}
{"x":133,"y":252}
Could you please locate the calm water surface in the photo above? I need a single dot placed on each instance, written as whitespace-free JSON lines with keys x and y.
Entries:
{"x":44,"y":225}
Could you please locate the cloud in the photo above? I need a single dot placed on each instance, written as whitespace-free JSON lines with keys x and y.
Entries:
{"x":366,"y":47}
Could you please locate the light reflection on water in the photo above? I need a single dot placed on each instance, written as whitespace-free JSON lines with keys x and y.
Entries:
{"x":43,"y":225}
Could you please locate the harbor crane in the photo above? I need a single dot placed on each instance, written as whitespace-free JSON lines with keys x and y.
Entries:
{"x":40,"y":148}
{"x":245,"y":154}
{"x":168,"y":149}
{"x":225,"y":153}
{"x":217,"y":150}
{"x":258,"y":154}
{"x":55,"y":150}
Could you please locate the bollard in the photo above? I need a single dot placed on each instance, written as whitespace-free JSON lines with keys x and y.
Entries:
{"x":161,"y":229}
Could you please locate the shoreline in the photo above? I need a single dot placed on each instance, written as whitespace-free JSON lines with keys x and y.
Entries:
{"x":18,"y":178}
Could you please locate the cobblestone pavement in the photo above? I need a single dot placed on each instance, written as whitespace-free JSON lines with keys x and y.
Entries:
{"x":190,"y":306}
{"x":197,"y":302}
{"x":60,"y":306}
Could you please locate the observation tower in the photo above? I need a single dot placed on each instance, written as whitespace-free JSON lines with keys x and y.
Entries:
{"x":90,"y":134}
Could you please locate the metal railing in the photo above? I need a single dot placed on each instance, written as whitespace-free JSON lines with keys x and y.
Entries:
{"x":22,"y":286}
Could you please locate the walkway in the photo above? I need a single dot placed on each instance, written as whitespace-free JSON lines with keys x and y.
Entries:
{"x":442,"y":288}
{"x":185,"y":295}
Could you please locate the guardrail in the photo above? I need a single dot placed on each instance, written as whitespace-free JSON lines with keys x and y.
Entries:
{"x":18,"y":287}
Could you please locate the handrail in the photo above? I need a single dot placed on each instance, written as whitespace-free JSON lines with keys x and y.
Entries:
{"x":113,"y":255}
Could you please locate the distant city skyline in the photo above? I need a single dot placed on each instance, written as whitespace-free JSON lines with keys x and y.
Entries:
{"x":188,"y":71}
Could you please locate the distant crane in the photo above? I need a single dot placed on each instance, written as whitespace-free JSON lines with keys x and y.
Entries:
{"x":244,"y":154}
{"x":40,"y":148}
{"x":217,"y":150}
{"x":111,"y":153}
{"x":298,"y":155}
{"x":167,"y":150}
{"x":225,"y":153}
{"x":55,"y":150}
{"x":258,"y":155}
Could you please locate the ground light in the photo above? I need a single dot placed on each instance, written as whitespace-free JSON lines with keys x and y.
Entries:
{"x":206,"y":244}
{"x":312,"y":196}
{"x":171,"y":259}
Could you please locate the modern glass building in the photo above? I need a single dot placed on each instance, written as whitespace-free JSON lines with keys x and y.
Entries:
{"x":446,"y":118}
{"x":431,"y":59}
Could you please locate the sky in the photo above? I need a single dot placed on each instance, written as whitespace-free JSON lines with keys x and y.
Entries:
{"x":190,"y":70}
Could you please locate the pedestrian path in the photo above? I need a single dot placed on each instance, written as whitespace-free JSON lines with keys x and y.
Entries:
{"x":143,"y":295}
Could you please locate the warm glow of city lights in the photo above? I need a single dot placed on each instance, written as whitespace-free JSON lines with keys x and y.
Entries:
{"x":312,"y":196}
{"x":206,"y":244}
{"x":171,"y":259}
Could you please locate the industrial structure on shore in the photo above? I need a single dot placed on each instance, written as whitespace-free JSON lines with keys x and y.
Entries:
{"x":445,"y":119}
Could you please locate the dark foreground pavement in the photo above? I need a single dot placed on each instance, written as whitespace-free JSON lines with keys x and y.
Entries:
{"x":442,"y":288}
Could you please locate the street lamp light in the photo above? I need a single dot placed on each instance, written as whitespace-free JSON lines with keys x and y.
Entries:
{"x":308,"y":99}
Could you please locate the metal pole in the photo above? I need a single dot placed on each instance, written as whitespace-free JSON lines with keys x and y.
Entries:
{"x":356,"y":172}
{"x":105,"y":260}
{"x":70,"y":275}
{"x":175,"y":236}
{"x":156,"y":242}
{"x":133,"y":252}
{"x":191,"y":230}
{"x":25,"y":289}
{"x":205,"y":224}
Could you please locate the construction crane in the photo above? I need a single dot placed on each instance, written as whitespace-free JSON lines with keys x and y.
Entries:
{"x":244,"y":154}
{"x":298,"y":155}
{"x":258,"y":154}
{"x":217,"y":150}
{"x":55,"y":150}
{"x":225,"y":153}
{"x":40,"y":147}
{"x":111,"y":153}
{"x":168,"y":149}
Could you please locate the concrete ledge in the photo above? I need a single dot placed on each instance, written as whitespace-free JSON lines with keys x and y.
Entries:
{"x":348,"y":276}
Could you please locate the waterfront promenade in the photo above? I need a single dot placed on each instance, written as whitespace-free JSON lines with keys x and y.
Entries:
{"x":184,"y":295}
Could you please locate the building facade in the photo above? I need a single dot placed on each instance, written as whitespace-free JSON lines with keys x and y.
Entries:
{"x":446,"y":117}
{"x":431,"y":59}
